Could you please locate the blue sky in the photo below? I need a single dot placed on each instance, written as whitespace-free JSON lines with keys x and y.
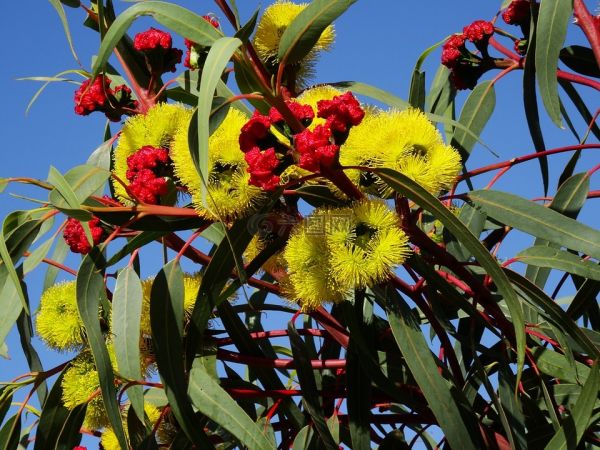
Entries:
{"x":378,"y":42}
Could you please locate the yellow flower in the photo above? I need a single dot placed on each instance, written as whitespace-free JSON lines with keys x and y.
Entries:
{"x":366,"y":246}
{"x":155,"y":128}
{"x":58,"y":323}
{"x":80,"y":382}
{"x":405,"y":141}
{"x":273,"y":23}
{"x":191,"y":285}
{"x":334,"y":251}
{"x":229,"y":195}
{"x":307,"y":257}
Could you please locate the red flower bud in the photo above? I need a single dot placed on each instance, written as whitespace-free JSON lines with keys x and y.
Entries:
{"x":261,"y":166}
{"x":304,"y":113}
{"x":146,"y":171}
{"x":75,"y":237}
{"x":479,"y":31}
{"x":254,"y":131}
{"x":315,"y":148}
{"x":517,"y":13}
{"x":151,"y":39}
{"x":341,"y":112}
{"x":452,"y":50}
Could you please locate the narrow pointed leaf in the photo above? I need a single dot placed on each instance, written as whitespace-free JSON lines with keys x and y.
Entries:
{"x":125,"y":329}
{"x":538,"y":221}
{"x":558,"y":259}
{"x":412,"y":190}
{"x":216,"y":61}
{"x":474,"y":116}
{"x":552,"y":23}
{"x":575,"y":425}
{"x":215,"y":403}
{"x":305,"y":30}
{"x":90,"y":290}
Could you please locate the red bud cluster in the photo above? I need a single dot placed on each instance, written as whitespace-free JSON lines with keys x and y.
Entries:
{"x":156,"y":45}
{"x":97,"y":95}
{"x":146,"y":170}
{"x":75,"y":237}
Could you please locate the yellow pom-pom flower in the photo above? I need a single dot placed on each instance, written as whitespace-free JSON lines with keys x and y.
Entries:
{"x":273,"y":23}
{"x":306,"y":254}
{"x":334,"y":251}
{"x":405,"y":141}
{"x":229,"y":195}
{"x":366,"y":246}
{"x":58,"y":323}
{"x":80,"y":385}
{"x":191,"y":286}
{"x":156,"y":128}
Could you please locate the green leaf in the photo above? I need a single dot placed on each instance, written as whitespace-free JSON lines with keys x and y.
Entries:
{"x":83,"y":180}
{"x":416,"y":96}
{"x":575,"y":425}
{"x":47,"y":81}
{"x":63,"y":18}
{"x":178,"y":19}
{"x":530,"y":101}
{"x":11,"y":305}
{"x":303,"y":438}
{"x":125,"y":329}
{"x":10,"y":432}
{"x":216,"y":61}
{"x":580,"y":59}
{"x":405,"y":186}
{"x":308,"y":385}
{"x":59,"y":254}
{"x":558,"y":259}
{"x":552,"y":23}
{"x":587,"y":117}
{"x":474,"y":115}
{"x":538,"y":221}
{"x":55,"y":429}
{"x":90,"y":290}
{"x":553,"y":312}
{"x":474,"y":220}
{"x":101,"y":156}
{"x":64,"y":198}
{"x":316,"y":195}
{"x":569,"y":199}
{"x":447,"y":403}
{"x":166,"y":320}
{"x":373,"y":92}
{"x":244,"y":33}
{"x":358,"y":385}
{"x":556,"y":365}
{"x":215,"y":403}
{"x":305,"y":30}
{"x":36,"y":256}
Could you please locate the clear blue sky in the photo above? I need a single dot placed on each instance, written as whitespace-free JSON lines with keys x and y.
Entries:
{"x":378,"y":42}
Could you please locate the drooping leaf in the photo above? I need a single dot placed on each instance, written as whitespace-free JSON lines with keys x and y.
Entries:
{"x":474,"y":116}
{"x":405,"y":186}
{"x":90,"y":289}
{"x":538,"y":221}
{"x":543,"y":256}
{"x":166,"y":320}
{"x":214,"y":402}
{"x":63,"y":18}
{"x":450,"y":408}
{"x":125,"y":329}
{"x":575,"y":425}
{"x":216,"y":61}
{"x":569,"y":199}
{"x":552,"y":23}
{"x":55,"y":429}
{"x":305,"y":30}
{"x":580,"y":59}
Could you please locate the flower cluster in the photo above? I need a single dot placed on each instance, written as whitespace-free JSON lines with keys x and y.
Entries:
{"x":316,"y":147}
{"x":465,"y":66}
{"x":76,"y":238}
{"x":156,"y":46}
{"x":97,"y":95}
{"x":333,"y":251}
{"x":518,"y":12}
{"x":195,"y":52}
{"x":146,"y":173}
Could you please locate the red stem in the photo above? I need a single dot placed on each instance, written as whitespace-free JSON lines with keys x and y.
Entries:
{"x":522,"y":159}
{"x":590,"y":26}
{"x":226,"y":355}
